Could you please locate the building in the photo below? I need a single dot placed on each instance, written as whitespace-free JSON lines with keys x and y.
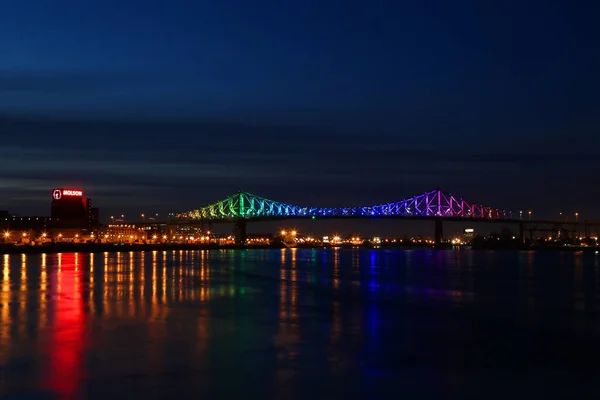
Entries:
{"x":23,"y":229}
{"x":94,"y":216}
{"x":468,"y":234}
{"x":72,"y":219}
{"x":14,"y":222}
{"x":123,"y":233}
{"x":70,"y":209}
{"x":68,"y":204}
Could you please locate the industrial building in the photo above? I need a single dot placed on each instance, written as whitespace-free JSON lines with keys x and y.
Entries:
{"x":72,"y":218}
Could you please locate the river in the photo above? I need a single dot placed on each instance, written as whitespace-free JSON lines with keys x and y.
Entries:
{"x":300,"y":323}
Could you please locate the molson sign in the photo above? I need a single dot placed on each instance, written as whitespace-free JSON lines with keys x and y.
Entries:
{"x":58,"y":194}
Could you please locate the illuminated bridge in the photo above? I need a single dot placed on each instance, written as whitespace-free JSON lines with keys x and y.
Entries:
{"x":247,"y":206}
{"x":437,"y":205}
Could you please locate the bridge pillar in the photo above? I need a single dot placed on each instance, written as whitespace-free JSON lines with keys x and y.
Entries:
{"x":206,"y":225}
{"x":170,"y":229}
{"x":438,"y":233}
{"x":239,"y":231}
{"x":586,"y":228}
{"x":522,"y":232}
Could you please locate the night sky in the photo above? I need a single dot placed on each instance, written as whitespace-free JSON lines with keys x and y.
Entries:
{"x":161,"y":106}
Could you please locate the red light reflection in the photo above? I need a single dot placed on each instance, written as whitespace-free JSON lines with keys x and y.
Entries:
{"x":67,"y":328}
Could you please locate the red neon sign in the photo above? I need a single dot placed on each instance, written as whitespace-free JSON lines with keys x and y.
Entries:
{"x":72,"y":192}
{"x":57,"y":194}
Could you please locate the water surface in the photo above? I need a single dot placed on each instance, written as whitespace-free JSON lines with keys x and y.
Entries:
{"x":293,"y":324}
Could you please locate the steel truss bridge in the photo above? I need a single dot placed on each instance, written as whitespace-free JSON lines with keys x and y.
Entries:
{"x":437,"y":205}
{"x":433,"y":204}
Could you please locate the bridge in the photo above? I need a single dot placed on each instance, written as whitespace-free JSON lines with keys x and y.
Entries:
{"x":436,"y":205}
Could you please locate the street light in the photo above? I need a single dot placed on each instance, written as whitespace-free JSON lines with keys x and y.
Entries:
{"x":530,"y":215}
{"x":576,"y":216}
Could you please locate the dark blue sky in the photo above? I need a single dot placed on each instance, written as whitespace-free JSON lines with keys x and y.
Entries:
{"x":167,"y":105}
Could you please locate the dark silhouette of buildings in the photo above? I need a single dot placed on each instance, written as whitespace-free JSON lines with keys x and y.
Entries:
{"x":69,"y":209}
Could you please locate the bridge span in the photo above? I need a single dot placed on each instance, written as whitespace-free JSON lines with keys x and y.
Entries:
{"x":438,"y":206}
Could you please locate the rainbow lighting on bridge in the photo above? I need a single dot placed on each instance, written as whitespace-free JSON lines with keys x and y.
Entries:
{"x":435,"y":204}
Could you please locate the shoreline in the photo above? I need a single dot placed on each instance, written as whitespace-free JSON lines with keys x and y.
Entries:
{"x":113,"y":248}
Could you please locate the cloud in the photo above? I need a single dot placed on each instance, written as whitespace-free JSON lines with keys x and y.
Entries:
{"x":179,"y":165}
{"x":63,"y":81}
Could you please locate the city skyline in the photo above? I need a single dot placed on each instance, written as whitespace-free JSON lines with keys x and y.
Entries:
{"x":448,"y":199}
{"x":411,"y":216}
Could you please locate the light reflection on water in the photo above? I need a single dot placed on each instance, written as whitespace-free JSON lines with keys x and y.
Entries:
{"x":292,"y":323}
